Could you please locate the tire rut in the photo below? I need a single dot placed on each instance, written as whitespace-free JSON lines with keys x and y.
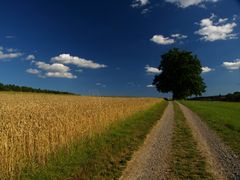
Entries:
{"x":151,"y":161}
{"x":221,"y":161}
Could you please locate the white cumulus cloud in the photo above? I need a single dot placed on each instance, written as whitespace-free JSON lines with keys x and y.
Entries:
{"x":232,"y":65}
{"x":139,"y":3}
{"x":55,"y":70}
{"x":80,"y":62}
{"x":219,"y":30}
{"x":187,"y":3}
{"x":56,"y":67}
{"x":9,"y":55}
{"x":152,"y":70}
{"x":160,"y":39}
{"x":206,"y":69}
{"x":32,"y":71}
{"x":150,"y":86}
{"x":60,"y":75}
{"x":30,"y":57}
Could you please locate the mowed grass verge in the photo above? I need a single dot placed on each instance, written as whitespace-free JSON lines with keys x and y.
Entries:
{"x":187,"y":161}
{"x":223,"y":117}
{"x":103,"y":156}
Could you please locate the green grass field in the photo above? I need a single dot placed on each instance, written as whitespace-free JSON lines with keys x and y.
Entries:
{"x":103,"y":156}
{"x":223,"y":117}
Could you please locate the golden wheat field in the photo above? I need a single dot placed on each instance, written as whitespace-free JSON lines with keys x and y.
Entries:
{"x":34,"y":125}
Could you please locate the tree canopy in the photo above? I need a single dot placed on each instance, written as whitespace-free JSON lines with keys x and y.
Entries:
{"x":180,"y":74}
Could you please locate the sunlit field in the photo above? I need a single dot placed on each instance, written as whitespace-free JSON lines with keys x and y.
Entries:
{"x":34,"y":125}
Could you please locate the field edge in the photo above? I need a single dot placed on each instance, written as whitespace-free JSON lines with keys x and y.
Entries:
{"x":100,"y":156}
{"x":222,"y":118}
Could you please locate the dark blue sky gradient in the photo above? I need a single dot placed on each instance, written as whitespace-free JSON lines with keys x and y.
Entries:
{"x":112,"y":33}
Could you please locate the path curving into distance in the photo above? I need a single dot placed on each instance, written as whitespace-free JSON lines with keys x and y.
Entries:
{"x":151,"y":161}
{"x":221,"y":161}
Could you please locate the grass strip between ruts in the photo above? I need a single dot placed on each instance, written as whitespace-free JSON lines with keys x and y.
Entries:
{"x":103,"y":156}
{"x":187,"y":162}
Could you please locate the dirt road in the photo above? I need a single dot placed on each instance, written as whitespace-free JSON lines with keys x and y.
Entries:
{"x":151,"y":161}
{"x":221,"y":161}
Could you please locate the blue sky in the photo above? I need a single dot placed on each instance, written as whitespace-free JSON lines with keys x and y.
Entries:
{"x":110,"y":47}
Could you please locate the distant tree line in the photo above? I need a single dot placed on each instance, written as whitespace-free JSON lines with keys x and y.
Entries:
{"x":233,"y":97}
{"x":12,"y":87}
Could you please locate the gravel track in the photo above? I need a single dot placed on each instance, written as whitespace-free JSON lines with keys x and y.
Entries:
{"x":151,"y":161}
{"x":221,"y":161}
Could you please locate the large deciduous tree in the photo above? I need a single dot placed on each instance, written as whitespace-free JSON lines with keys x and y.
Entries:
{"x":180,"y":74}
